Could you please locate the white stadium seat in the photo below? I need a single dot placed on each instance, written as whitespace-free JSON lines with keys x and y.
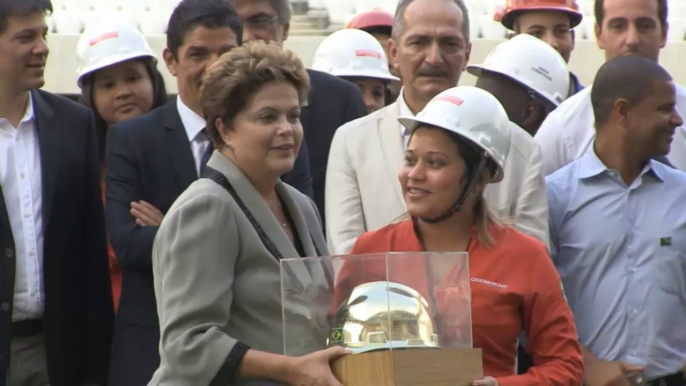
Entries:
{"x":586,"y":30}
{"x":92,"y":18}
{"x":68,"y":22}
{"x":586,"y":7}
{"x":477,"y":8}
{"x":340,"y":11}
{"x":162,"y":5}
{"x":388,"y":5}
{"x":79,"y":5}
{"x":491,"y":29}
{"x":134,"y":6}
{"x":317,"y":4}
{"x":677,"y":28}
{"x":50,"y":21}
{"x":57,"y":5}
{"x":154,"y":23}
{"x":474,"y":29}
{"x":105,"y":6}
{"x":362,"y":5}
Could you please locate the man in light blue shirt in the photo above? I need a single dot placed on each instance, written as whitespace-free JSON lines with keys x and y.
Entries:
{"x":618,"y":231}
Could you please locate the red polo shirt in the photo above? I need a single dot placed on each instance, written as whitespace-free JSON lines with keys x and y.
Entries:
{"x":514,"y":287}
{"x":115,"y":269}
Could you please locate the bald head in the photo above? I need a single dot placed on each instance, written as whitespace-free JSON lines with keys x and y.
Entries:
{"x":629,"y":78}
{"x":400,"y":24}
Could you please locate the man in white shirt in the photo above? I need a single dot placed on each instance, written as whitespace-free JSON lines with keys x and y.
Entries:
{"x":56,"y":304}
{"x":430,"y":47}
{"x":625,"y":27}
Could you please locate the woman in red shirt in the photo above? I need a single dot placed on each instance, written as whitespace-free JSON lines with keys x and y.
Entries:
{"x":459,"y":143}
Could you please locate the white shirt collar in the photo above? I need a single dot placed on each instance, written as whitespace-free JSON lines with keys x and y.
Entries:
{"x":404,"y":112}
{"x":29,"y":114}
{"x":192,"y":122}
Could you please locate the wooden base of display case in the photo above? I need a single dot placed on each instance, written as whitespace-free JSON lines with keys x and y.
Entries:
{"x":410,"y":367}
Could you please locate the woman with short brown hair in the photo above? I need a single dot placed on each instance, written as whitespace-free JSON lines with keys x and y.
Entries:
{"x":216,"y":255}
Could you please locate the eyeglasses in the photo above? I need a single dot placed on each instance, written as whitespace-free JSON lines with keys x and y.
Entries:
{"x":261,"y":22}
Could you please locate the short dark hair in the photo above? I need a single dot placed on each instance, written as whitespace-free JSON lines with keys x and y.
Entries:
{"x":517,"y":28}
{"x":190,"y":14}
{"x":9,"y":8}
{"x":399,"y":26}
{"x":282,"y":8}
{"x":662,"y":12}
{"x":384,"y":30}
{"x":611,"y":84}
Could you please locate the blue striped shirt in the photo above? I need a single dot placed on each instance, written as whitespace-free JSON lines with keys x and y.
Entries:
{"x":621,"y":253}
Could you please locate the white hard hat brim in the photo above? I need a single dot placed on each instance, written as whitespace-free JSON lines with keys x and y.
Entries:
{"x":112,"y":61}
{"x":477,"y":70}
{"x":365,"y":74}
{"x":412,"y":123}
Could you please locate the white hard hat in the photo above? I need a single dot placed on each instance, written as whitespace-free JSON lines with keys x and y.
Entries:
{"x":473,"y":114}
{"x":352,"y":53}
{"x":108,"y":43}
{"x":530,"y":62}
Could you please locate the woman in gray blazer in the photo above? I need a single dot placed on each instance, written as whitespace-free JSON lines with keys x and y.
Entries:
{"x":216,"y":255}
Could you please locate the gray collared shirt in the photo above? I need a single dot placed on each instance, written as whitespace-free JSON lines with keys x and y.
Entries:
{"x":621,"y":253}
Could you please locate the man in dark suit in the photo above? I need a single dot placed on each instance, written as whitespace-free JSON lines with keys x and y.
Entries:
{"x":150,"y":161}
{"x":56,"y":305}
{"x":332,"y":103}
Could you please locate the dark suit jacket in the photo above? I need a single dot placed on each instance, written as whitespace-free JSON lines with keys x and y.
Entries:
{"x":332,"y":103}
{"x":148,"y":158}
{"x":78,"y":299}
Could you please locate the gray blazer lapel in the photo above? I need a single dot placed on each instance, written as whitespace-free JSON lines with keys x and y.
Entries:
{"x":392,"y":146}
{"x":305,"y":276}
{"x":255,"y":204}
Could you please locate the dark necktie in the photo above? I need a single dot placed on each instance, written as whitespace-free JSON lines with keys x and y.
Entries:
{"x":206,"y":156}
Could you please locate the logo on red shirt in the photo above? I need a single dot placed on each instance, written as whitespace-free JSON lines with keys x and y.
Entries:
{"x":489,"y":283}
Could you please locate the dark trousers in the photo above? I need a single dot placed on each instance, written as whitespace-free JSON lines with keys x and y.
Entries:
{"x":28,"y":365}
{"x":135,"y":354}
{"x":524,"y":360}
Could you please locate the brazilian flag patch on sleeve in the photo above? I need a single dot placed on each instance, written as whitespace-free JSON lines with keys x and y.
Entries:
{"x":665,"y":241}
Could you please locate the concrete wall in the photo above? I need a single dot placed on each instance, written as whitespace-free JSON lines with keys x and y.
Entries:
{"x":586,"y":59}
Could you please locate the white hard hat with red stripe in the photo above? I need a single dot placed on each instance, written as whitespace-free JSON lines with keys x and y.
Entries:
{"x":352,"y":53}
{"x":530,"y":62}
{"x":108,"y":43}
{"x":473,"y":114}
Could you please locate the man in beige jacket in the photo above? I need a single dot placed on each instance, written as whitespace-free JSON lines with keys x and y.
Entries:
{"x":431,"y":48}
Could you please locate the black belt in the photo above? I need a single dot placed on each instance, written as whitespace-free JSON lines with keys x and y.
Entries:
{"x":27,"y":328}
{"x":676,"y":379}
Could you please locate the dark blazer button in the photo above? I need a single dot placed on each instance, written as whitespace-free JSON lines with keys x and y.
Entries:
{"x":5,"y":306}
{"x":9,"y":252}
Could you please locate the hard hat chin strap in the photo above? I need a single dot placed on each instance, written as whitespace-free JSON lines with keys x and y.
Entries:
{"x":463,"y":196}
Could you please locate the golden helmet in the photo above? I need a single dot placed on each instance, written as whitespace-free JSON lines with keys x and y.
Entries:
{"x":383,"y":315}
